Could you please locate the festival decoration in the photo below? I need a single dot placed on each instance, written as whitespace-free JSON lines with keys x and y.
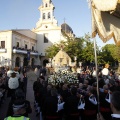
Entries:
{"x":63,"y":76}
{"x":106,"y":19}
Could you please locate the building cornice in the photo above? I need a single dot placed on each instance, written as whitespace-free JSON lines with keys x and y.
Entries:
{"x":42,"y":30}
{"x":15,"y":32}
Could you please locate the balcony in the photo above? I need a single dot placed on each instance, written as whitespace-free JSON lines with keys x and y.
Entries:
{"x":24,"y":51}
{"x":3,"y":50}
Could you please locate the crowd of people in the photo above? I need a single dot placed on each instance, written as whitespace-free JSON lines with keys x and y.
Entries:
{"x":13,"y":86}
{"x":63,"y":101}
{"x":77,"y":101}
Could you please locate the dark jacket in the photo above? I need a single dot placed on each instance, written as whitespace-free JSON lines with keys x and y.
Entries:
{"x":50,"y":105}
{"x":71,"y":104}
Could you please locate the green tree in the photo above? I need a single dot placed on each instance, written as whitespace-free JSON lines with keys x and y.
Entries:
{"x":109,"y":53}
{"x":82,"y":47}
{"x":52,"y":50}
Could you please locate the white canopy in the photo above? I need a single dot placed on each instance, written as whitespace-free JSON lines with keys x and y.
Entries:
{"x":106,"y":19}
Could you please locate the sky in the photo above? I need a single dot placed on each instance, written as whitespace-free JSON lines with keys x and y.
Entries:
{"x":23,"y":14}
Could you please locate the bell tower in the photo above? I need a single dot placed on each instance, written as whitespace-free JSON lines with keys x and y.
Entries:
{"x":47,"y":10}
{"x":46,"y":14}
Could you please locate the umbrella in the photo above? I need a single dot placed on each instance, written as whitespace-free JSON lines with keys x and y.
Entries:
{"x":106,"y":19}
{"x":105,"y":23}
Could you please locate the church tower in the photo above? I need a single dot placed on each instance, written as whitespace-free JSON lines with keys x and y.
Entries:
{"x":46,"y":15}
{"x":47,"y":29}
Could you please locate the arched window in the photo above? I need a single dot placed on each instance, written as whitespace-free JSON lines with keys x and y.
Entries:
{"x":46,"y":5}
{"x":43,"y":15}
{"x":49,"y":15}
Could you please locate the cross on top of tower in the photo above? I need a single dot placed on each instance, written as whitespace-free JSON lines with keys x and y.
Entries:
{"x":64,"y":20}
{"x":62,"y":47}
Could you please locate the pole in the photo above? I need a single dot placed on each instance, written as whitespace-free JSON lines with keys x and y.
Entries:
{"x":96,"y":67}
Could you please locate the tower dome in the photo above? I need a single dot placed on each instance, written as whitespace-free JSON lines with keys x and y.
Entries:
{"x":66,"y":28}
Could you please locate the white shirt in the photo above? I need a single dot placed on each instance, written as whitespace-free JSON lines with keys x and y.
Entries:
{"x":105,"y":71}
{"x":115,"y":115}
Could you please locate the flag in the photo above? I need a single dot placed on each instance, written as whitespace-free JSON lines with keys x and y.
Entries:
{"x":28,"y":55}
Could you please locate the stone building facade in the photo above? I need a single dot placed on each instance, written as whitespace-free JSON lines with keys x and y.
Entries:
{"x":23,"y":47}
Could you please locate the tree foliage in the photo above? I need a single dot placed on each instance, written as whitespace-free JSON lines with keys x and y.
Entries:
{"x":83,"y":48}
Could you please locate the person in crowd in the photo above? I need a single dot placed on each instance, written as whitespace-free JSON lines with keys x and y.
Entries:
{"x":105,"y":105}
{"x":2,"y":90}
{"x":90,"y":106}
{"x":50,"y":106}
{"x":24,"y":84}
{"x":1,"y":74}
{"x":19,"y":110}
{"x":31,"y":75}
{"x":24,"y":71}
{"x":19,"y":96}
{"x":71,"y":105}
{"x":39,"y":88}
{"x":13,"y":84}
{"x":65,"y":93}
{"x":43,"y":71}
{"x":115,"y":107}
{"x":105,"y":71}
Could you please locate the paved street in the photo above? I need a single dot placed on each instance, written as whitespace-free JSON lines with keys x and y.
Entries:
{"x":30,"y":97}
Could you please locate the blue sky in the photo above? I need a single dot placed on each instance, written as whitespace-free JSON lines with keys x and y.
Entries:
{"x":23,"y":14}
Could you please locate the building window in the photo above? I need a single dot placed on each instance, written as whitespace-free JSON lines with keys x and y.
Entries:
{"x":46,"y":38}
{"x":17,"y":44}
{"x":43,"y":15}
{"x":46,"y":5}
{"x":2,"y":44}
{"x":25,"y":46}
{"x":32,"y":48}
{"x":49,"y":15}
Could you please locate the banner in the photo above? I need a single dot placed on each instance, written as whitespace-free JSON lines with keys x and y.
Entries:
{"x":28,"y":55}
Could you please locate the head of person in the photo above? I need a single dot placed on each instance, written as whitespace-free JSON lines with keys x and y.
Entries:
{"x":19,"y":94}
{"x":80,"y":85}
{"x":111,"y":83}
{"x":49,"y":87}
{"x":54,"y":92}
{"x":105,"y":87}
{"x":19,"y":107}
{"x":115,"y":102}
{"x":65,"y":87}
{"x":73,"y":90}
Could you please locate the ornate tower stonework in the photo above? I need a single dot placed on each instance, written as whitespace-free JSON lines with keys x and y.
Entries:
{"x":46,"y":15}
